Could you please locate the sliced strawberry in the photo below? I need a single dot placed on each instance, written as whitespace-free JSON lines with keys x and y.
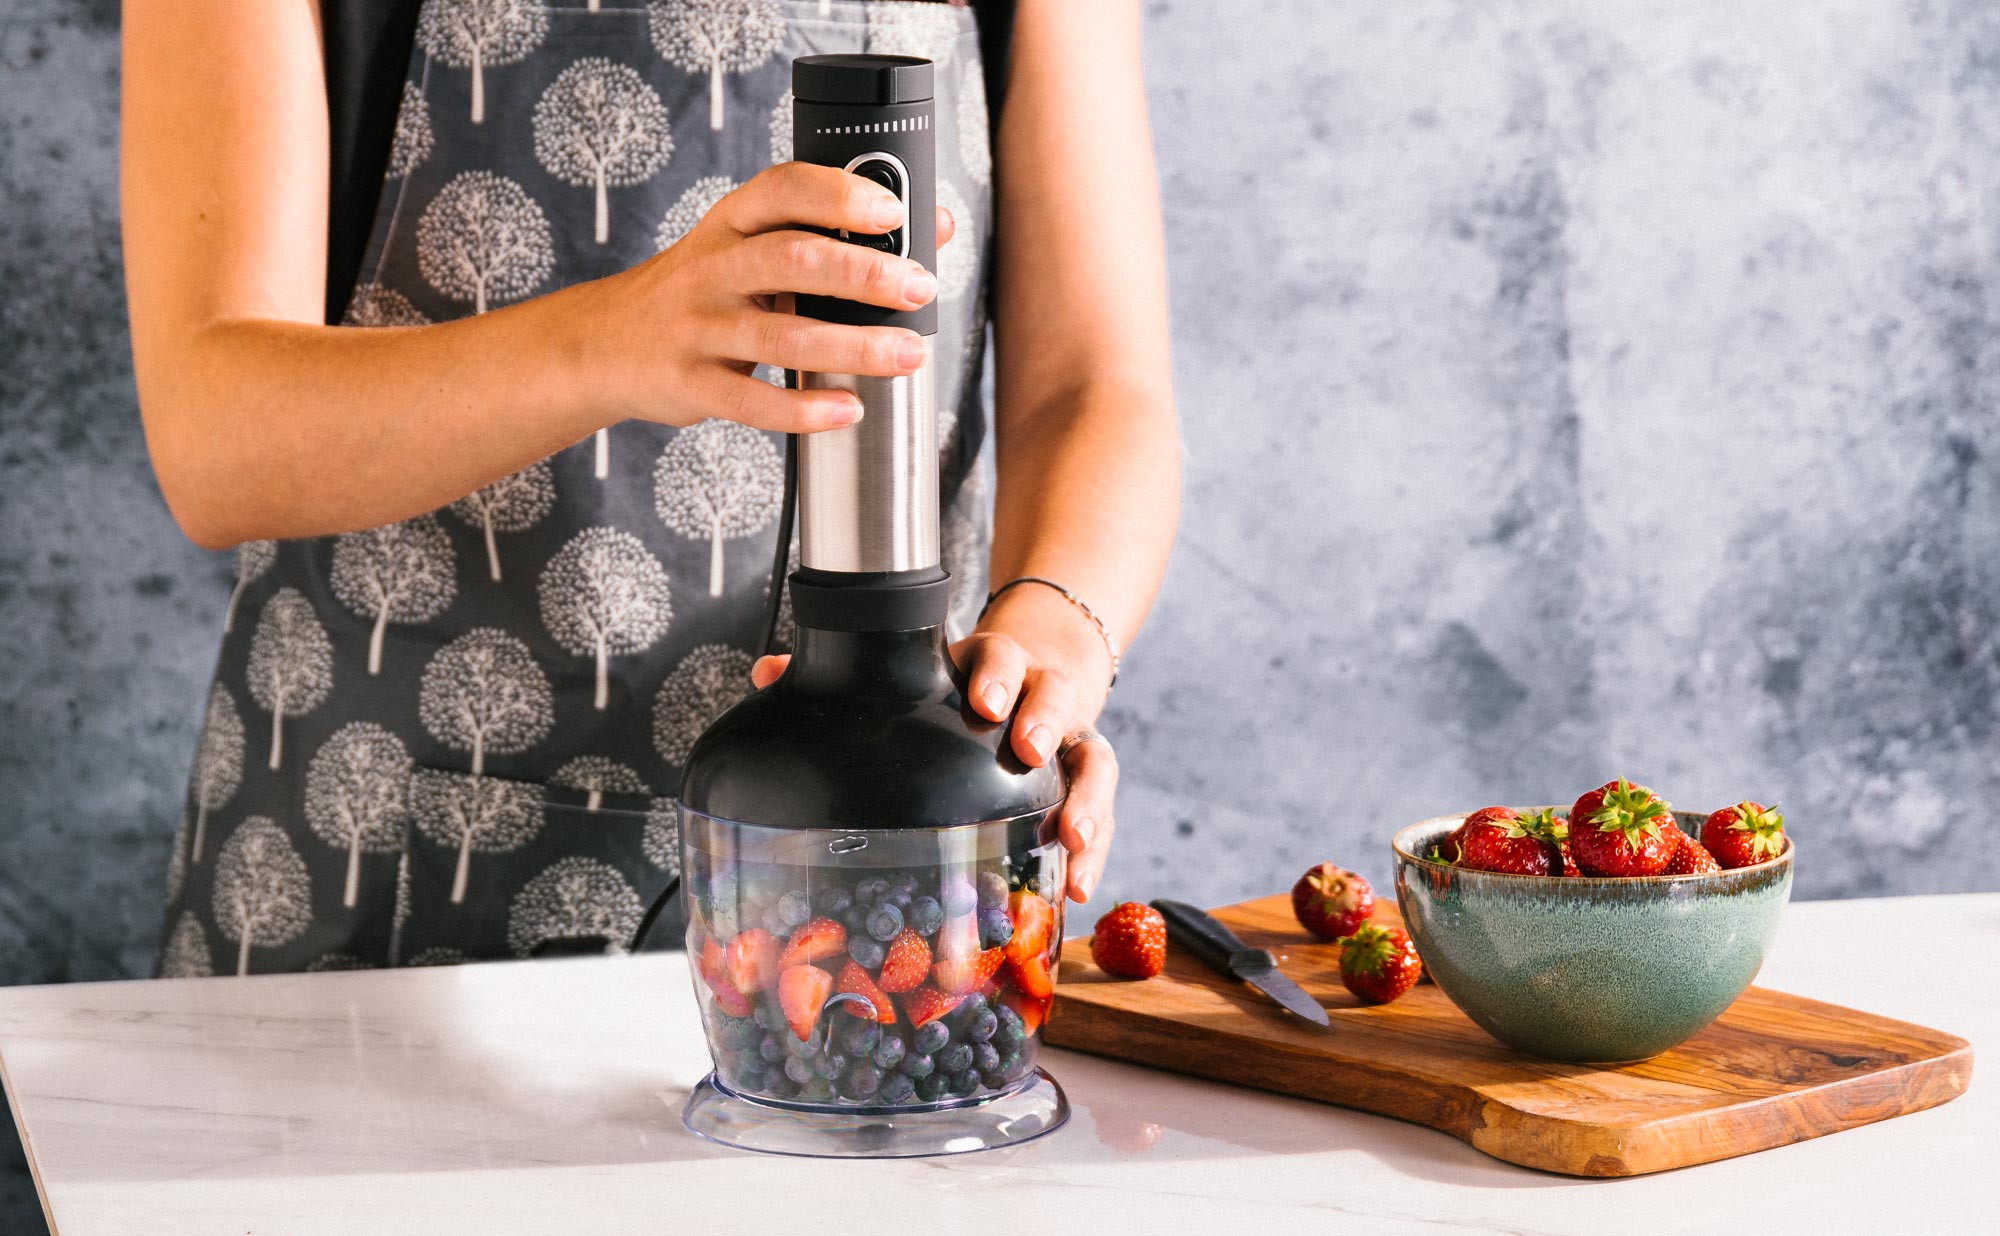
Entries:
{"x":854,"y":981}
{"x":727,"y":998}
{"x":1034,"y":922}
{"x":926,"y":1004}
{"x":962,"y":977}
{"x":750,"y":962}
{"x":1033,"y":977}
{"x":1032,"y":1010}
{"x":908,"y":961}
{"x":818,"y":940}
{"x":802,"y":992}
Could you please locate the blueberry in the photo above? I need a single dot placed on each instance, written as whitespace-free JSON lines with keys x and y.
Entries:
{"x":905,"y":880}
{"x":770,"y":1016}
{"x":924,"y":916}
{"x":965,"y":1084}
{"x":996,"y":1080}
{"x":818,"y":1090}
{"x":958,"y":896}
{"x":930,"y":1038}
{"x":992,"y":890}
{"x":983,"y":1026}
{"x":798,"y":1070}
{"x":868,"y":954}
{"x":740,"y":1032}
{"x":898,"y":897}
{"x":995,"y":928}
{"x":969,"y":1008}
{"x":829,"y":1065}
{"x":896,"y":1090}
{"x":781,"y":1087}
{"x":885,"y":921}
{"x":890,"y":1051}
{"x":795,"y":1046}
{"x":1014,"y":1064}
{"x":855,"y":919}
{"x":833,"y":902}
{"x":985,"y":1057}
{"x":773,"y":921}
{"x":861,"y":1081}
{"x":726,"y":1060}
{"x":770,"y":1048}
{"x":933,"y":1087}
{"x":955,"y":1059}
{"x":1011,"y":1027}
{"x":860,"y":1037}
{"x":795,"y":908}
{"x":867,"y":890}
{"x":747,"y":1077}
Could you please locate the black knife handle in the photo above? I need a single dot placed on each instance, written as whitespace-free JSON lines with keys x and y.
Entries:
{"x":1197,"y":931}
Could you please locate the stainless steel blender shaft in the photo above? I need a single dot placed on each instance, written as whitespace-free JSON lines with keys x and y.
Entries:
{"x":868,"y":494}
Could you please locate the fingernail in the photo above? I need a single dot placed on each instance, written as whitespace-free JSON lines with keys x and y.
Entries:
{"x":888,"y":213}
{"x":845,"y":412}
{"x":995,"y":698}
{"x":1042,"y":741}
{"x":1086,"y":828}
{"x":920,"y":287}
{"x":910,"y":353}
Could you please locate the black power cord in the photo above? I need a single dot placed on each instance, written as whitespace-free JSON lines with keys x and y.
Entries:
{"x":788,"y":507}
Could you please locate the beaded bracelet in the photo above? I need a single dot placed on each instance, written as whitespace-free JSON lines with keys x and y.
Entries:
{"x":1110,"y":645}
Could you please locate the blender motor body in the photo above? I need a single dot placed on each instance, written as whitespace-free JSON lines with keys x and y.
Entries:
{"x":874,"y":882}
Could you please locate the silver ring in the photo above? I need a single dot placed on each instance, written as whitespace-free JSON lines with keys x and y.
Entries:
{"x":1077,"y":738}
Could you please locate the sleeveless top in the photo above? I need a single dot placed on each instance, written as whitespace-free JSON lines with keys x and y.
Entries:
{"x":457,"y":737}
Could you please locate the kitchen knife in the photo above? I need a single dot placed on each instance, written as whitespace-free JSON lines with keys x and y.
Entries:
{"x":1197,"y":931}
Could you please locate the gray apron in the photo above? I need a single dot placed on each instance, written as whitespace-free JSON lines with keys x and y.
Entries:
{"x":455,"y":737}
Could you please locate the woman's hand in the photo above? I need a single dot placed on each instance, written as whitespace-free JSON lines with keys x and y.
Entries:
{"x":677,"y":336}
{"x":1036,"y":658}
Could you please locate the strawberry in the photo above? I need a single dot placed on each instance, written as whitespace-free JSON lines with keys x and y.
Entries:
{"x":854,"y":981}
{"x":926,"y":1004}
{"x":1131,"y":941}
{"x":1621,"y":829}
{"x":1032,"y":977}
{"x":751,"y":961}
{"x":1745,"y":834}
{"x":962,"y":976}
{"x":909,"y":960}
{"x":802,"y":992}
{"x":1690,"y":857}
{"x":1500,"y":839}
{"x":1034,"y":923}
{"x":818,"y":940}
{"x":1569,"y":859}
{"x":1451,"y":850}
{"x":1330,"y":902}
{"x":1379,"y":963}
{"x":727,"y":998}
{"x":1033,"y":1010}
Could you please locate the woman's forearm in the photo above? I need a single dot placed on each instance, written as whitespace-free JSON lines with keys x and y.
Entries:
{"x":1089,"y":447}
{"x":263,"y":428}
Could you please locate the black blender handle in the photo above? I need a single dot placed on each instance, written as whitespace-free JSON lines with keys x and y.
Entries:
{"x":1197,"y":931}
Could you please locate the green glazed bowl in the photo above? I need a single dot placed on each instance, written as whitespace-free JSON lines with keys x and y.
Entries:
{"x":1573,"y":968}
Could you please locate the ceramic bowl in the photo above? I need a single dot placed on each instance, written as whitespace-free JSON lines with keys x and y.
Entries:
{"x":1574,"y":968}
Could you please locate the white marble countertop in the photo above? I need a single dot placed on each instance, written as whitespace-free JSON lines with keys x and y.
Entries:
{"x":545,"y":1098}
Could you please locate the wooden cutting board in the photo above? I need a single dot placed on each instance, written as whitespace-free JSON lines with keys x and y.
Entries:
{"x":1774,"y":1069}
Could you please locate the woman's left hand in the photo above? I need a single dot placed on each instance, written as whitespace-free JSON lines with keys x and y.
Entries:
{"x":1036,"y":658}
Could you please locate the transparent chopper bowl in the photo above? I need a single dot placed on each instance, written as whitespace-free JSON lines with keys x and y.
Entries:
{"x":857,"y":1086}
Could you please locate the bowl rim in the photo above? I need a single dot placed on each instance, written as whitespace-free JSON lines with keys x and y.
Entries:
{"x":1400,"y":843}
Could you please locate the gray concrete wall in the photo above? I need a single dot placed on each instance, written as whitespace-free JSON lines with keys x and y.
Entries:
{"x":1572,"y":389}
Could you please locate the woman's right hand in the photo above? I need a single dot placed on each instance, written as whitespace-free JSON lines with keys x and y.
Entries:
{"x":674,"y":339}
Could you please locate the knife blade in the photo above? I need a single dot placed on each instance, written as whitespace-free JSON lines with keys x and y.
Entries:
{"x":1198,"y":932}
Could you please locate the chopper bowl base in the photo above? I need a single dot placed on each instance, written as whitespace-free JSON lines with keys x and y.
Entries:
{"x":1005,"y":1119}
